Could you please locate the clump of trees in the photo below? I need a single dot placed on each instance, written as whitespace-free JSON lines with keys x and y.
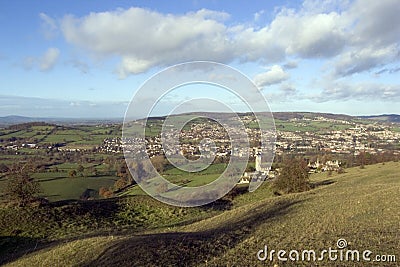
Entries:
{"x":21,"y":188}
{"x":293,"y":177}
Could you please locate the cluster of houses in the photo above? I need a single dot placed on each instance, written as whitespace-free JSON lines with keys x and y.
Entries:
{"x":350,"y":139}
{"x":330,"y":165}
{"x":263,"y":173}
{"x":353,"y":140}
{"x":111,"y":145}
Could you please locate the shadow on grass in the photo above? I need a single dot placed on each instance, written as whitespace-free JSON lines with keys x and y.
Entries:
{"x":189,"y":248}
{"x":52,"y":179}
{"x":13,"y":247}
{"x":322,"y":183}
{"x":34,"y":220}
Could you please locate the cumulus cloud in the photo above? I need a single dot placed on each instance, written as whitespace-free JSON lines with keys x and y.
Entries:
{"x":145,"y":38}
{"x":309,"y":35}
{"x":274,"y":75}
{"x":355,"y":35}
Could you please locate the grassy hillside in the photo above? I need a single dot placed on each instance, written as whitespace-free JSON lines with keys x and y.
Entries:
{"x":361,"y":206}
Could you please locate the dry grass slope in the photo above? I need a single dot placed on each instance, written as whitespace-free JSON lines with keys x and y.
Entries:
{"x":361,"y":205}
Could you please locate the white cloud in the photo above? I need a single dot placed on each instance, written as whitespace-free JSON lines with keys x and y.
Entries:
{"x":49,"y":59}
{"x":258,"y":15}
{"x":367,"y":58}
{"x":145,"y":39}
{"x":273,"y":76}
{"x":375,"y":23}
{"x":74,"y":104}
{"x":308,"y":36}
{"x":285,"y":93}
{"x":44,"y":63}
{"x":356,"y":35}
{"x":359,"y":91}
{"x":372,"y":37}
{"x":49,"y":26}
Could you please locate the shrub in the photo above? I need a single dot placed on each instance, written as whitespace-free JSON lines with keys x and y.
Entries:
{"x":106,"y":193}
{"x":72,"y":173}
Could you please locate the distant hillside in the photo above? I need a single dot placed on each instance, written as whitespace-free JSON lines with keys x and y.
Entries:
{"x":309,"y":115}
{"x":384,"y":118}
{"x":14,"y":119}
{"x":11,"y":120}
{"x":277,"y":115}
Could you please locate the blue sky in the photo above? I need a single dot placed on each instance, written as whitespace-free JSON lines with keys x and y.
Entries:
{"x":87,"y":58}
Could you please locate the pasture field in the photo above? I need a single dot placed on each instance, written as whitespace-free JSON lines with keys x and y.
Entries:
{"x":69,"y":135}
{"x":361,"y":206}
{"x":59,"y":186}
{"x":56,"y":186}
{"x":310,"y":126}
{"x":183,"y":178}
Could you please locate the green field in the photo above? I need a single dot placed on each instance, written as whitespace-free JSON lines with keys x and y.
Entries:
{"x":77,"y":136}
{"x":309,"y":126}
{"x":183,"y":178}
{"x":59,"y":186}
{"x":361,"y":206}
{"x":63,"y":187}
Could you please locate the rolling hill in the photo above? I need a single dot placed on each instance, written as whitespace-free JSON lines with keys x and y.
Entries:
{"x":14,"y":119}
{"x":384,"y":118}
{"x":361,"y":206}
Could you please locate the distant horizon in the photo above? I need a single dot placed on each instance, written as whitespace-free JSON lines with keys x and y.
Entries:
{"x":121,"y":117}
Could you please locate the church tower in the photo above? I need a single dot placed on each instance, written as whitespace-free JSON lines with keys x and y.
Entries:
{"x":258,"y":162}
